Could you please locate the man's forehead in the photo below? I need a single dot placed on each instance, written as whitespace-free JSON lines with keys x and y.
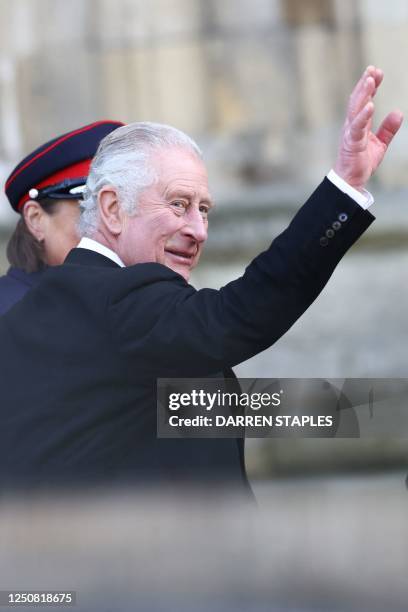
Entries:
{"x":180,"y":170}
{"x":178,"y":160}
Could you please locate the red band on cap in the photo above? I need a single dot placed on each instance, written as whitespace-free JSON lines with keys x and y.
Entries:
{"x":74,"y":171}
{"x":52,"y":146}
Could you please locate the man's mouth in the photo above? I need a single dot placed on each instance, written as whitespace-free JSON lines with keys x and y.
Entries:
{"x":180,"y":256}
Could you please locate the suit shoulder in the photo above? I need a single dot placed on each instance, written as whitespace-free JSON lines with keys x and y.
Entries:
{"x":152,"y":272}
{"x":108,"y":285}
{"x":148,"y":276}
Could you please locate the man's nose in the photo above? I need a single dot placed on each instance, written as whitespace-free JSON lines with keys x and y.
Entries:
{"x":195,"y":226}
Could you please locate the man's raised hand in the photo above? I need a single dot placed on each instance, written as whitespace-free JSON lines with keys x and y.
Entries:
{"x":361,"y":151}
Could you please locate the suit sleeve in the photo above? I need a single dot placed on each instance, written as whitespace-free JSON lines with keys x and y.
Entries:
{"x":183,"y":332}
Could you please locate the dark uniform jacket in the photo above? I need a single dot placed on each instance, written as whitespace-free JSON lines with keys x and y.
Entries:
{"x":14,"y":285}
{"x":80,"y":354}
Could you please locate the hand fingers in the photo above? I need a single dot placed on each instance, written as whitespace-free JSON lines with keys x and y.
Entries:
{"x":359,"y":88}
{"x":359,"y":127}
{"x":389,"y":127}
{"x":378,"y":76}
{"x":363,"y":92}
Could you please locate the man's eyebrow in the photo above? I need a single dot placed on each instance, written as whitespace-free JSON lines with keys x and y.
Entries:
{"x":208,"y":201}
{"x":186,"y":193}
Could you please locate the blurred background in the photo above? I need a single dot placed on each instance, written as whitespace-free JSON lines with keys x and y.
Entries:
{"x":262,"y":86}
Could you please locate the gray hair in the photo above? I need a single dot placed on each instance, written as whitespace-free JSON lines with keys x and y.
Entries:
{"x":122,"y":160}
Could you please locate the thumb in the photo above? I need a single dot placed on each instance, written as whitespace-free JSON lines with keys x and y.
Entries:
{"x":389,"y":127}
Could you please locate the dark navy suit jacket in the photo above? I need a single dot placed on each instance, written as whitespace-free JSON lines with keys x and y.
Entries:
{"x":80,"y":354}
{"x":14,"y":285}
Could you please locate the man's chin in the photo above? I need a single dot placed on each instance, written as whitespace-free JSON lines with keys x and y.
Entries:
{"x":184,"y":271}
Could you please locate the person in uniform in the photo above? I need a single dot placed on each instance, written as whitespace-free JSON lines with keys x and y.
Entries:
{"x":44,"y":188}
{"x":120,"y":312}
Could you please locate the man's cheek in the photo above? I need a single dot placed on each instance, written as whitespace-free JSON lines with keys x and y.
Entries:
{"x":195,"y":260}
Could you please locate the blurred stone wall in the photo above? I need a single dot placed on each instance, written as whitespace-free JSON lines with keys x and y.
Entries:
{"x":337,"y":545}
{"x":262,"y":84}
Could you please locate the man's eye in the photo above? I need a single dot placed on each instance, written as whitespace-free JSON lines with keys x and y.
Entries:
{"x":204,"y":210}
{"x":179,"y":205}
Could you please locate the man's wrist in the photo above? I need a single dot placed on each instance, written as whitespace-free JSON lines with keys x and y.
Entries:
{"x":363,"y":198}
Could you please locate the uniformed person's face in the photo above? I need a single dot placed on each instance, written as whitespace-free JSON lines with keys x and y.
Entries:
{"x":171,"y":223}
{"x":60,"y":233}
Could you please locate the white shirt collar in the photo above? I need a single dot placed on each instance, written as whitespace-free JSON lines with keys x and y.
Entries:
{"x":97,"y":247}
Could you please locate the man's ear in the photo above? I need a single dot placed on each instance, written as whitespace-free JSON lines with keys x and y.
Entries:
{"x":34,"y":217}
{"x":110,"y":211}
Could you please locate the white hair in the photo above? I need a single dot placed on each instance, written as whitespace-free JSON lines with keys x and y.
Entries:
{"x":122,"y":160}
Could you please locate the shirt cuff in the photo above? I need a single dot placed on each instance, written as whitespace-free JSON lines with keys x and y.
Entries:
{"x":363,"y":198}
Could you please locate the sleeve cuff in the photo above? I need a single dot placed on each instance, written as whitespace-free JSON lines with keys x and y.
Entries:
{"x":363,"y":198}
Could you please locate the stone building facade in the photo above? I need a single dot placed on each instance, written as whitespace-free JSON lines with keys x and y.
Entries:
{"x":262,"y":84}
